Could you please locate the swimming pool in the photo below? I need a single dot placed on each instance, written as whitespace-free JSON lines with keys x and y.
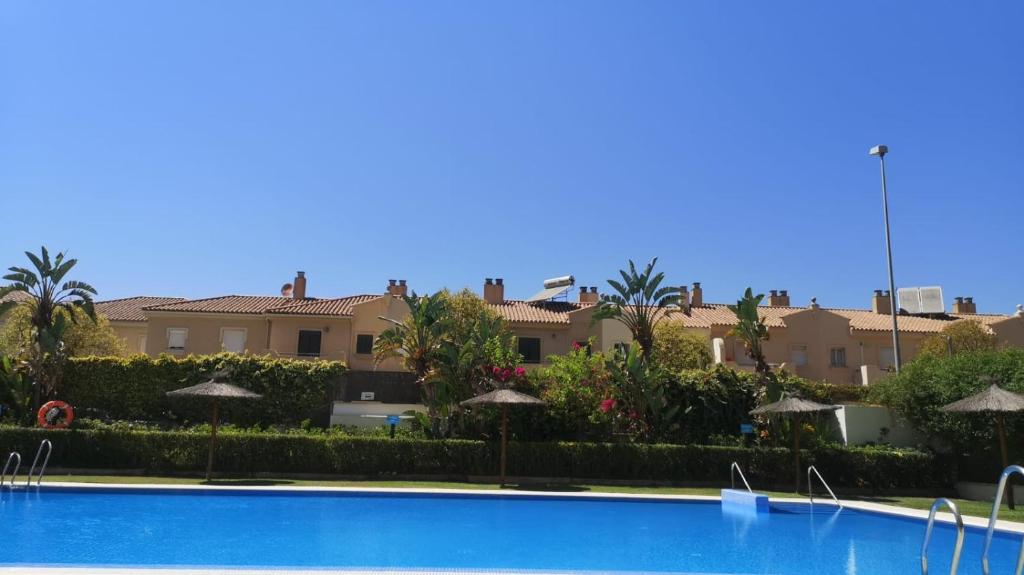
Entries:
{"x":417,"y":531}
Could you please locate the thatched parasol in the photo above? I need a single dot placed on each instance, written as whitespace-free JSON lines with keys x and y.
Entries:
{"x":794,"y":407}
{"x":504,"y":398}
{"x":217,"y":391}
{"x":999,"y":402}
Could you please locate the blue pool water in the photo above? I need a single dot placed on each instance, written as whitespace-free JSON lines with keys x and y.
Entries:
{"x":407,"y":531}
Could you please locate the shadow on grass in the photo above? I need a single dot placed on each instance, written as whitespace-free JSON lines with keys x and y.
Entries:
{"x":247,"y":482}
{"x":551,"y":487}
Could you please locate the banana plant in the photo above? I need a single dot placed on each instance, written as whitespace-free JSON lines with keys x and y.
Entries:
{"x":640,"y":303}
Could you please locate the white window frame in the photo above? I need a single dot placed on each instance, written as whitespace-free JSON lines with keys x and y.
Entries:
{"x":831,"y":357}
{"x":355,"y":344}
{"x":298,"y":333}
{"x":184,"y":343}
{"x":245,"y":338}
{"x":799,"y":347}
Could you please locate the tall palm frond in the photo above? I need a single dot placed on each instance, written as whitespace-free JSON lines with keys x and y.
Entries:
{"x":640,"y":303}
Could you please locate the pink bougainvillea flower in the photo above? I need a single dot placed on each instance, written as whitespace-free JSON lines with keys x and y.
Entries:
{"x":576,"y":346}
{"x":607,"y":405}
{"x":520,"y":371}
{"x":505,"y":374}
{"x":496,"y":370}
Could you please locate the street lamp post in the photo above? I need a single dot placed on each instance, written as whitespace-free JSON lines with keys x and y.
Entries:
{"x":881,"y":151}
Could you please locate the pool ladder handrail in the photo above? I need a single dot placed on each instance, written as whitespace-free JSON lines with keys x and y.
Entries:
{"x":733,"y":470}
{"x":810,"y":486}
{"x":957,"y":549}
{"x":16,"y":458}
{"x":995,"y":516}
{"x":39,"y":478}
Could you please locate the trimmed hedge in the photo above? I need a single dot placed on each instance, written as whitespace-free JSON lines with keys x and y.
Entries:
{"x":135,"y":388}
{"x":244,"y":453}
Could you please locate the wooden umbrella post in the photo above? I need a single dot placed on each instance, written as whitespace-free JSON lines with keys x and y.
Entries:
{"x":213,"y":440}
{"x":504,"y":441}
{"x":1004,"y":453}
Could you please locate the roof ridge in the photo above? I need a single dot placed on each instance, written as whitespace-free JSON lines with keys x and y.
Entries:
{"x":140,"y":297}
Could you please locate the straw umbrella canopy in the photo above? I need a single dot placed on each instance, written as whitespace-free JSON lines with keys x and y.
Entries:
{"x":998,"y":402}
{"x":216,"y":391}
{"x":504,"y":398}
{"x":795,"y":408}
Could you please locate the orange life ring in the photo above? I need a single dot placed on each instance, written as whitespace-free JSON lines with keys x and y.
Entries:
{"x":55,"y":415}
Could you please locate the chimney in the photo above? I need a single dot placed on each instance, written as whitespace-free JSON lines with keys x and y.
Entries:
{"x":964,"y":305}
{"x":397,"y":288}
{"x":589,"y":296}
{"x":697,"y":295}
{"x":494,"y":291}
{"x":881,"y":302}
{"x":684,"y":298}
{"x":778,"y":298}
{"x":299,"y":287}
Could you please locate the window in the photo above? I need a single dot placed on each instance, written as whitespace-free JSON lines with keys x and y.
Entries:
{"x":176,"y":338}
{"x":529,"y":348}
{"x":309,"y":343}
{"x":886,"y":358}
{"x":798,"y":354}
{"x":364,"y":344}
{"x":837,"y":357}
{"x":233,"y":339}
{"x":740,"y":353}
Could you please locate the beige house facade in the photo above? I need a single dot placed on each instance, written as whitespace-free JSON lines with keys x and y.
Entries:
{"x":839,"y":345}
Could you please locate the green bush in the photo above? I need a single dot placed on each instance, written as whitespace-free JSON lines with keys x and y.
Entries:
{"x":135,"y":388}
{"x":244,"y":453}
{"x":929,"y":382}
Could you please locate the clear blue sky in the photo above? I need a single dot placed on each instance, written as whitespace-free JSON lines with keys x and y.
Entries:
{"x":204,"y":148}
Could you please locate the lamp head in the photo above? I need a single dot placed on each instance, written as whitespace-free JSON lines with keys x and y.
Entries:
{"x":879,"y":151}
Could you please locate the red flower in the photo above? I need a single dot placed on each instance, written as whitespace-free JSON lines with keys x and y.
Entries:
{"x":505,"y":374}
{"x":520,"y":371}
{"x":576,"y":346}
{"x":496,"y":371}
{"x":607,"y":405}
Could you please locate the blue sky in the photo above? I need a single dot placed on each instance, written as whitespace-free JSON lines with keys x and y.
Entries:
{"x":204,"y":148}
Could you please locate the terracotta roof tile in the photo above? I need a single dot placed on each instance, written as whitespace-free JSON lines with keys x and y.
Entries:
{"x":860,"y":319}
{"x":553,"y":312}
{"x":238,"y":304}
{"x":341,"y":306}
{"x":16,"y":296}
{"x":130,"y":308}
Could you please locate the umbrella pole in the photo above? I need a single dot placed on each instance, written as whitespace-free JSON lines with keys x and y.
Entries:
{"x":796,"y":451}
{"x":504,"y":440}
{"x":1001,"y":428}
{"x":213,"y":440}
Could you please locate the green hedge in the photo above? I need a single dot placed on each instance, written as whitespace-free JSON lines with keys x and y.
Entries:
{"x":243,"y":453}
{"x":135,"y":388}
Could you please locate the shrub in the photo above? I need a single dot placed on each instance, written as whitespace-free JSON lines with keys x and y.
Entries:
{"x":929,"y":382}
{"x":676,"y":347}
{"x":873,"y":469}
{"x":135,"y":387}
{"x":960,"y":337}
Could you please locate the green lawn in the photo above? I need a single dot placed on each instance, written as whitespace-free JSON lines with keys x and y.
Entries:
{"x":968,"y":508}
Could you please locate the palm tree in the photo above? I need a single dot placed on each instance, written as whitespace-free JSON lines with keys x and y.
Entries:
{"x":51,"y":301}
{"x":640,"y":303}
{"x":752,"y":331}
{"x":417,"y":340}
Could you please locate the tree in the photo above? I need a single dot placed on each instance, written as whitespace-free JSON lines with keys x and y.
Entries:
{"x":677,"y":348}
{"x":49,"y":295}
{"x":752,"y":331}
{"x":417,"y":340}
{"x":960,"y":337}
{"x":640,"y":303}
{"x":81,"y":338}
{"x":640,"y":400}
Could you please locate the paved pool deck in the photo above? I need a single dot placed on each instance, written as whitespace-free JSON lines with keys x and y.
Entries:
{"x":1007,"y":526}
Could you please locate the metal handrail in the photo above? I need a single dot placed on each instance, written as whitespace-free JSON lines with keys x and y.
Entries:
{"x":733,"y":470}
{"x":16,"y":458}
{"x":810,"y":486}
{"x":928,"y":535}
{"x":49,"y":450}
{"x":995,"y":515}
